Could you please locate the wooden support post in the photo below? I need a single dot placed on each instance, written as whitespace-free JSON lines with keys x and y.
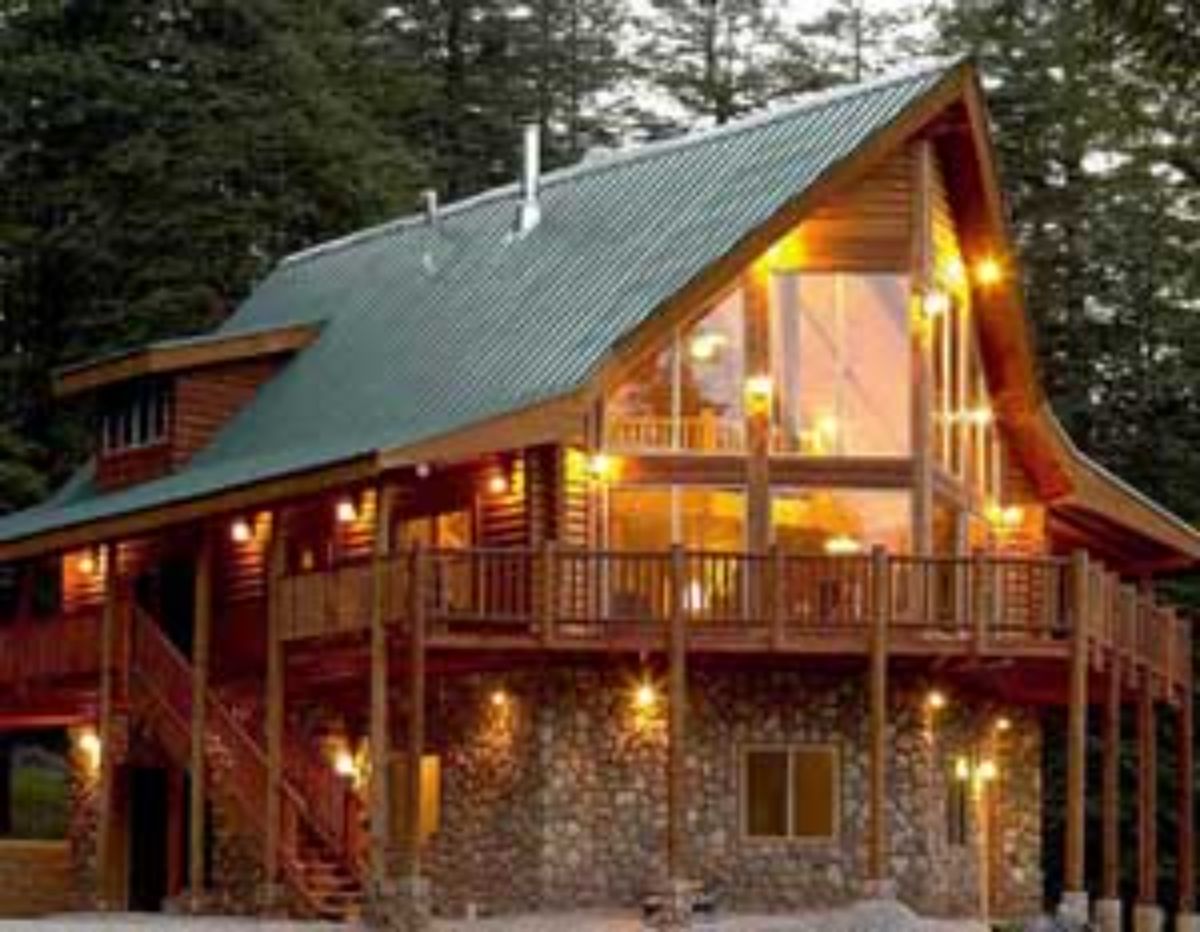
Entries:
{"x":756,"y":302}
{"x":1147,"y":796}
{"x":201,"y":641}
{"x":922,"y":387}
{"x":1073,"y":879}
{"x":381,"y":736}
{"x":418,"y":573}
{"x":105,"y":789}
{"x":275,"y":715}
{"x":677,"y":723}
{"x":176,"y":817}
{"x":548,"y":606}
{"x":1110,"y":815}
{"x":1187,"y":801}
{"x":877,"y":855}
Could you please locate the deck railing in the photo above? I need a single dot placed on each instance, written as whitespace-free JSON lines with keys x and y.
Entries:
{"x":50,"y":648}
{"x":580,"y":595}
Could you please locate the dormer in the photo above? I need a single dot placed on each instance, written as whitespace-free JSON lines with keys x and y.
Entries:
{"x":157,"y":406}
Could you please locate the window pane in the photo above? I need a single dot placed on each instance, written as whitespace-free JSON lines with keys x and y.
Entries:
{"x":814,"y":801}
{"x":712,"y":519}
{"x":841,"y":363}
{"x":639,"y":412}
{"x":766,"y":789}
{"x":639,"y":519}
{"x":841,"y":520}
{"x":711,"y":379}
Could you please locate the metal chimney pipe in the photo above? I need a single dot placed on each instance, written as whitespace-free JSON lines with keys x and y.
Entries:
{"x":530,"y":210}
{"x":429,"y":200}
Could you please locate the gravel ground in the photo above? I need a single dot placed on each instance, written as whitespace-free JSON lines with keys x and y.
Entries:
{"x":864,"y":917}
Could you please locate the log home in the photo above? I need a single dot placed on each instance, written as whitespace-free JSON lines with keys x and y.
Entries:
{"x":687,"y":523}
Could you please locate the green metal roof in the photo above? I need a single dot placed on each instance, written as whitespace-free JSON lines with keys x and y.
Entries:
{"x":430,"y":329}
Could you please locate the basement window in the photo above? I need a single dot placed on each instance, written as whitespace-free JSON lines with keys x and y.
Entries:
{"x":791,"y":792}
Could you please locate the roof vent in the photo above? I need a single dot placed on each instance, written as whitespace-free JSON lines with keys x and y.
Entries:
{"x":429,"y":200}
{"x":530,"y":211}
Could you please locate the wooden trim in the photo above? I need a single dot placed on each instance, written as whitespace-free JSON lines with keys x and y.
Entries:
{"x":922,"y":361}
{"x":164,"y":358}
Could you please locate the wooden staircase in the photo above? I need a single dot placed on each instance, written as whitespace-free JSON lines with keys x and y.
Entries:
{"x":319,"y":859}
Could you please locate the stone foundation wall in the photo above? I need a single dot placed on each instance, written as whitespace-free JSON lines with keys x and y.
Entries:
{"x":85,"y":816}
{"x":555,"y":796}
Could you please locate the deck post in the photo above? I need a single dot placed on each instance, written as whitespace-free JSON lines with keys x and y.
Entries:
{"x":1186,"y":919}
{"x":878,"y":881}
{"x":271,"y":893}
{"x":1109,"y":911}
{"x":201,"y":642}
{"x":413,"y":906}
{"x":757,"y":300}
{"x":922,"y":389}
{"x":1147,"y":916}
{"x":1074,"y":906}
{"x":105,"y":786}
{"x":381,"y":749}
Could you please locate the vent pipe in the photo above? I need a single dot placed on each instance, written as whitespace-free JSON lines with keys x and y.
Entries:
{"x":530,"y":210}
{"x":429,"y":201}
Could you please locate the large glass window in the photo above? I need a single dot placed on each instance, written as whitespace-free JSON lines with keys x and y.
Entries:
{"x":841,"y":363}
{"x":790,"y":792}
{"x":841,"y":521}
{"x":687,"y":396}
{"x":35,"y":799}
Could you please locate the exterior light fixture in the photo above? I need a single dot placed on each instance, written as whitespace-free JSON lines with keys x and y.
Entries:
{"x":1003,"y":724}
{"x":988,"y":271}
{"x":987,"y":771}
{"x":842,"y":545}
{"x":91,"y":746}
{"x":704,"y":347}
{"x":498,"y":484}
{"x":499,"y":699}
{"x":344,"y":765}
{"x":240,"y":531}
{"x":600,"y":466}
{"x":87,"y":563}
{"x":935,"y":303}
{"x":346,"y":511}
{"x":962,"y":769}
{"x":936,"y":700}
{"x":423,"y":470}
{"x":645,"y":697}
{"x":759,"y":389}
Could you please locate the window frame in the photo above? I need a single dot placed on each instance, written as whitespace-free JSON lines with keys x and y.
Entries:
{"x":791,"y":748}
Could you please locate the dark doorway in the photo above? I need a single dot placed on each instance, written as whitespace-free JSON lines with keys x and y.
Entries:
{"x":176,"y":601}
{"x":148,"y":816}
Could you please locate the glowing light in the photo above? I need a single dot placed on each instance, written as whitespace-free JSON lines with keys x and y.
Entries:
{"x":981,"y":415}
{"x":954,"y":272}
{"x":646,"y":697}
{"x":499,"y":699}
{"x":988,"y":271}
{"x":87,"y":563}
{"x":827,"y":426}
{"x":423,"y":470}
{"x":240,"y":531}
{"x":704,"y":347}
{"x":759,"y":389}
{"x":962,"y":769}
{"x":498,"y":484}
{"x":936,"y":700}
{"x":91,"y":746}
{"x":600,"y":466}
{"x":935,"y":304}
{"x":1003,"y":724}
{"x":987,"y":771}
{"x":347,"y":513}
{"x":842,"y":545}
{"x":1012,"y":516}
{"x":344,"y":765}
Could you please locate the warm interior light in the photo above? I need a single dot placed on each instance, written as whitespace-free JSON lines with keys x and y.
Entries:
{"x":988,"y":271}
{"x":981,"y":415}
{"x":936,"y":700}
{"x":87,"y":563}
{"x":705,"y":346}
{"x":347,"y":513}
{"x":841,"y":545}
{"x":1003,"y":724}
{"x":498,"y":484}
{"x":987,"y":771}
{"x":499,"y":698}
{"x":600,"y":466}
{"x":646,"y":697}
{"x":962,"y":769}
{"x":343,"y":764}
{"x":953,"y":271}
{"x":240,"y":531}
{"x":827,"y":426}
{"x":936,"y":303}
{"x":422,"y":470}
{"x":759,"y":389}
{"x":90,"y":745}
{"x":1012,"y":516}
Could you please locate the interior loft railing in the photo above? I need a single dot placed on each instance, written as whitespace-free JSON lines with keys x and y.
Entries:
{"x":706,"y":432}
{"x":777,"y":599}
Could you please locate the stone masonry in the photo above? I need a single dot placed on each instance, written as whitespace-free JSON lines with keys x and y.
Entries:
{"x":553,"y":793}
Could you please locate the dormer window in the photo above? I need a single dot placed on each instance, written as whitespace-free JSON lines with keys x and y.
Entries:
{"x":135,"y":415}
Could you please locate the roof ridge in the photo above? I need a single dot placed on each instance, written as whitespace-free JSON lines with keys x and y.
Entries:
{"x":803,"y":103}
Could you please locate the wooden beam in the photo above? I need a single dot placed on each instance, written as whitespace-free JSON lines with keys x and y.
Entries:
{"x":877,"y":842}
{"x":179,"y":355}
{"x":1147,"y":795}
{"x":1187,"y":799}
{"x":202,"y":622}
{"x":275,"y":714}
{"x":381,"y":743}
{"x":418,"y":568}
{"x":756,"y":301}
{"x":677,"y":723}
{"x":104,"y":793}
{"x":1110,"y":814}
{"x":922,"y":359}
{"x":1073,"y":875}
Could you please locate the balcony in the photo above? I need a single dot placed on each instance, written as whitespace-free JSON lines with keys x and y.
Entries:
{"x":578,"y":600}
{"x":49,"y":649}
